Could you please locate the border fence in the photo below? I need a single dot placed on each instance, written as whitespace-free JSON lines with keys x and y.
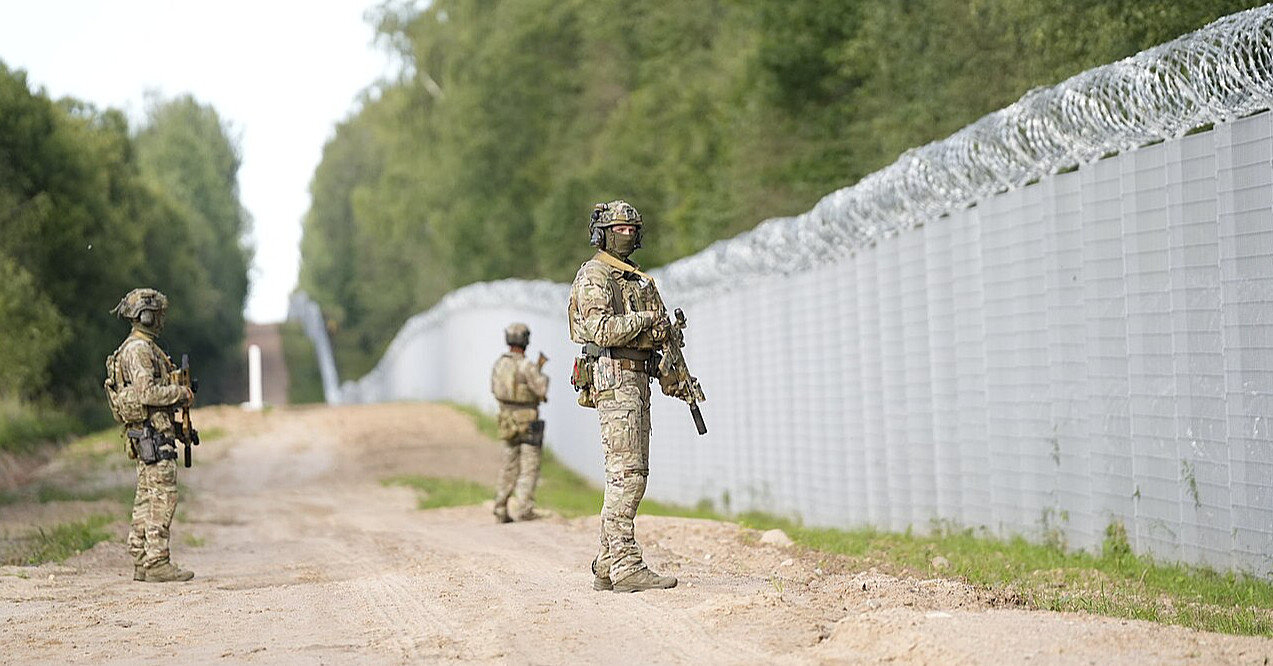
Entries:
{"x":1058,"y":318}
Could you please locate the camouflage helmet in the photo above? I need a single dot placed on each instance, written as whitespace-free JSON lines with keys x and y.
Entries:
{"x":614,"y":213}
{"x":138,"y":301}
{"x":517,"y":335}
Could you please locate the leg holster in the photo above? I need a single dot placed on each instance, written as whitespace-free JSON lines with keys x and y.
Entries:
{"x":534,"y":434}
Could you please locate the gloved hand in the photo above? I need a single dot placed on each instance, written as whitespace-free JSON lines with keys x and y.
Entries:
{"x":660,"y":326}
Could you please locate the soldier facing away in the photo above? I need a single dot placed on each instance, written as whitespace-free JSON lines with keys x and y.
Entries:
{"x":142,"y":392}
{"x":617,"y":314}
{"x":519,"y":385}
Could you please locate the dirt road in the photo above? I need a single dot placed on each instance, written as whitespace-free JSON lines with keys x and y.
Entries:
{"x":303,"y":556}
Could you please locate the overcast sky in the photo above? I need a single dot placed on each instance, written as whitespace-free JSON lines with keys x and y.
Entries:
{"x":283,"y":72}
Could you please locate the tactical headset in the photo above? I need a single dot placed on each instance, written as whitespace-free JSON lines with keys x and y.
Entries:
{"x":597,"y":235}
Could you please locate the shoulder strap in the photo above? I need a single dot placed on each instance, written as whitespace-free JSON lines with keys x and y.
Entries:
{"x":113,"y":360}
{"x":614,"y":262}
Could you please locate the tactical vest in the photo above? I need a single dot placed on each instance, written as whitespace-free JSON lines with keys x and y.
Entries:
{"x":631,"y":293}
{"x":124,"y":405}
{"x":507,"y":383}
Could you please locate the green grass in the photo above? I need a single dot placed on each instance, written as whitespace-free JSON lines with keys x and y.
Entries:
{"x":58,"y":542}
{"x":1114,"y":583}
{"x":82,"y":461}
{"x":25,"y":427}
{"x":435,"y":492}
{"x":565,"y":492}
{"x":304,"y":379}
{"x":104,"y":447}
{"x":48,"y":493}
{"x":211,"y":434}
{"x":485,"y":422}
{"x":568,"y":494}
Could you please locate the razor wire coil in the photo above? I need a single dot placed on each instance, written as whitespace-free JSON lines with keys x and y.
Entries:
{"x":1220,"y":72}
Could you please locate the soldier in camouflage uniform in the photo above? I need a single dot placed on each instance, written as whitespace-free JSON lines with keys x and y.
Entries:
{"x":519,"y":384}
{"x":617,"y":314}
{"x":142,"y":396}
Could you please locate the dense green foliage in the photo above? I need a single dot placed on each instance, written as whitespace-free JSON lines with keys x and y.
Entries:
{"x":304,"y":378}
{"x":89,"y":210}
{"x":512,"y":118}
{"x":186,"y":152}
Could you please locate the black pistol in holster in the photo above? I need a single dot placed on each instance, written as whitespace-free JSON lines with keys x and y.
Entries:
{"x":186,"y":433}
{"x":674,"y":375}
{"x":534,"y":433}
{"x":148,"y":444}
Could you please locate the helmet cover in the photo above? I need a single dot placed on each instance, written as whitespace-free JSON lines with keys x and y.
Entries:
{"x":137,"y":301}
{"x":517,"y":335}
{"x":612,"y":214}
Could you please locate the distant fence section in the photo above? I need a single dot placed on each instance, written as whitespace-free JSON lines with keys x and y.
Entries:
{"x":1058,"y":318}
{"x":303,"y":310}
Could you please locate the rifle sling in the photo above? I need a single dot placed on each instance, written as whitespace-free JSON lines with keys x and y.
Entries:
{"x":617,"y":263}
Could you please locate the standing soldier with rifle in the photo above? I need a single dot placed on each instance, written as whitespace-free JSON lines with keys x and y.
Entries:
{"x":618,"y":316}
{"x":519,"y":384}
{"x":145,"y":389}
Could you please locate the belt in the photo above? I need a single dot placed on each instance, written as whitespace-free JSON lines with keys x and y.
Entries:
{"x":632,"y":354}
{"x":633,"y":365}
{"x":518,"y":405}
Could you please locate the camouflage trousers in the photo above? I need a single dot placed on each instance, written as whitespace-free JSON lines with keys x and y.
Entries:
{"x":625,"y":438}
{"x":153,"y":506}
{"x":517,"y":478}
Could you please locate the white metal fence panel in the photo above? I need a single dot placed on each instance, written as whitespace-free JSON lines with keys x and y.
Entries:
{"x":1245,"y":182}
{"x":1076,"y":349}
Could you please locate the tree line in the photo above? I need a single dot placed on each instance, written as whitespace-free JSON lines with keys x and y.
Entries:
{"x":509,"y":119}
{"x":91,"y":208}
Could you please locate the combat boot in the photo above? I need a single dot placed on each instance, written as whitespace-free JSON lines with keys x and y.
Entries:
{"x":139,"y":572}
{"x":600,"y":583}
{"x":644,"y":580}
{"x":501,"y":516}
{"x":167,"y":572}
{"x":529,"y":515}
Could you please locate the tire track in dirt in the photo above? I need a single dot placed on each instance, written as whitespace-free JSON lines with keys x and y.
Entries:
{"x":307,"y":557}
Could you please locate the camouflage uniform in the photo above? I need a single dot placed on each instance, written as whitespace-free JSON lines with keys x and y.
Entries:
{"x":617,"y":309}
{"x":141,"y":390}
{"x":520,"y":385}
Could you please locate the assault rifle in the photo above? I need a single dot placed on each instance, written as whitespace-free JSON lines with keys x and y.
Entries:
{"x":186,"y":434}
{"x":674,"y":375}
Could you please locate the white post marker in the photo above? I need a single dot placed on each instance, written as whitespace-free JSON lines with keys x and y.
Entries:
{"x":254,"y":378}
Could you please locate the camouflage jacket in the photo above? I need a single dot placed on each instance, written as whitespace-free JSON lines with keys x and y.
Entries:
{"x":610,"y":307}
{"x":144,"y":376}
{"x":517,"y":381}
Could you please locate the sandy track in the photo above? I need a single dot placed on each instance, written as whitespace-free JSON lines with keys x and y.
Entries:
{"x":306,"y":558}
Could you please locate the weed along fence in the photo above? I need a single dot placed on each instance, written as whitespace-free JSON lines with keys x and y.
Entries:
{"x":1057,"y":318}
